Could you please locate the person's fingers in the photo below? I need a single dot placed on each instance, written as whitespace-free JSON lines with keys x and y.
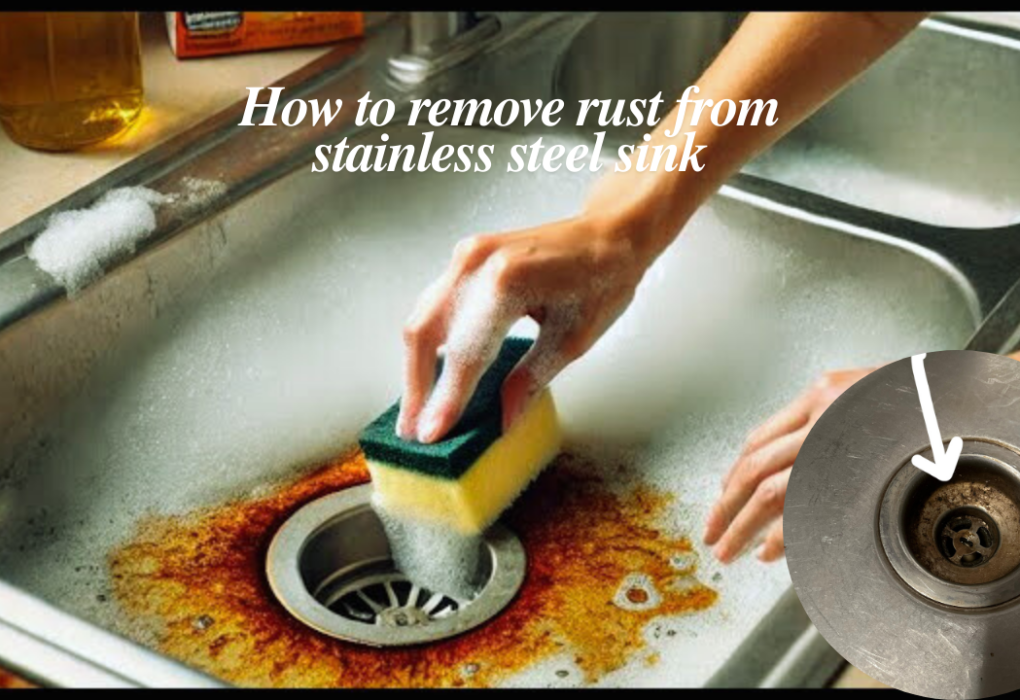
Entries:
{"x":794,"y":416}
{"x":764,"y":505}
{"x":426,"y":331}
{"x":455,"y":386}
{"x":476,"y":335}
{"x":791,"y":417}
{"x":519,"y":388}
{"x":423,"y":335}
{"x":470,"y":253}
{"x":772,"y":548}
{"x":556,"y":347}
{"x":748,"y":472}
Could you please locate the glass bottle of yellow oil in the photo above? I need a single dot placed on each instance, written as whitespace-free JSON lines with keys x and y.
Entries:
{"x":68,"y":79}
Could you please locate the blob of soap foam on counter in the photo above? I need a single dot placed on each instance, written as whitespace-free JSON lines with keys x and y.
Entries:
{"x":436,"y":500}
{"x":78,"y":244}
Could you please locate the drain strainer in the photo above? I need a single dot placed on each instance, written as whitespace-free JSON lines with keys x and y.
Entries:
{"x":969,"y":538}
{"x":330,"y":566}
{"x":387,"y":599}
{"x":957,"y":542}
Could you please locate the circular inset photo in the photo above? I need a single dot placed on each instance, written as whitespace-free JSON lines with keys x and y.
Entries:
{"x":902,"y":524}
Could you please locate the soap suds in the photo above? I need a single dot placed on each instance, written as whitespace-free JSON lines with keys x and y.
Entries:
{"x":78,"y":244}
{"x":198,"y":192}
{"x":434,"y":556}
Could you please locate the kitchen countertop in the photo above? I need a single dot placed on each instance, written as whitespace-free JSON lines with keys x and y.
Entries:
{"x":178,"y":95}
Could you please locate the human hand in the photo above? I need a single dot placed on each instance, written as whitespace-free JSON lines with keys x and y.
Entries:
{"x":754,"y":489}
{"x":574,"y":277}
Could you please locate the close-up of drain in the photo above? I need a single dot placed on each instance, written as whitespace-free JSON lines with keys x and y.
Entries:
{"x":957,"y":542}
{"x":969,"y":539}
{"x":330,"y":566}
{"x":902,"y":525}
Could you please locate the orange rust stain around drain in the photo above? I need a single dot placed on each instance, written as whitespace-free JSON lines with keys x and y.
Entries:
{"x":9,"y":681}
{"x":196,"y":585}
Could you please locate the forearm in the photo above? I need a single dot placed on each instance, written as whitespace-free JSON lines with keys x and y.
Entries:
{"x":800,"y":59}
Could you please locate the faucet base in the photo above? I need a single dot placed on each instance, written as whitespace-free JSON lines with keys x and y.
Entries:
{"x":415,"y":68}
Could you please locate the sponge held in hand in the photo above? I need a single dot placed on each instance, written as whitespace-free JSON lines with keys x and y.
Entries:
{"x":467,"y":479}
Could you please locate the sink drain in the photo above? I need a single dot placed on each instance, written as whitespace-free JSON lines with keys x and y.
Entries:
{"x":387,"y":599}
{"x":330,"y":566}
{"x":957,"y":542}
{"x":969,"y":538}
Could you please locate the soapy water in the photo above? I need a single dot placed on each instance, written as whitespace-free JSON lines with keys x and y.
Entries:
{"x":196,"y":192}
{"x":293,"y":344}
{"x":433,"y":555}
{"x":77,"y":245}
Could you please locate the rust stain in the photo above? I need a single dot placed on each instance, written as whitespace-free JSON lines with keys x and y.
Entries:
{"x":637,"y":595}
{"x":196,"y":585}
{"x":9,"y":681}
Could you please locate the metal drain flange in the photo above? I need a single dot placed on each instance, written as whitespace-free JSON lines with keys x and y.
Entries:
{"x":957,"y":542}
{"x":331,"y":568}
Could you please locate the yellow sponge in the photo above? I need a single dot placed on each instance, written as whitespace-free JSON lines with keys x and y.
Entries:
{"x":473,"y":501}
{"x":466,"y":480}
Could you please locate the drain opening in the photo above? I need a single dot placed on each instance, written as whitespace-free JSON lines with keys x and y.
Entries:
{"x":330,"y":566}
{"x":967,"y":530}
{"x":386,"y":599}
{"x":968,"y":538}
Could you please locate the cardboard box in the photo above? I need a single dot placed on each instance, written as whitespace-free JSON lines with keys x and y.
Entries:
{"x":194,"y":34}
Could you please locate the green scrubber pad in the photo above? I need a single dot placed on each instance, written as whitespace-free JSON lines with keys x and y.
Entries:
{"x":478,"y":428}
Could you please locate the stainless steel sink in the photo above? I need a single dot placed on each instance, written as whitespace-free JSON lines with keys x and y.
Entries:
{"x":634,"y":55}
{"x":928,"y":133}
{"x":255,"y":335}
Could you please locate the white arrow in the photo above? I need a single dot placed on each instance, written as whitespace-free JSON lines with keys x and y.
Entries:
{"x":945,"y":460}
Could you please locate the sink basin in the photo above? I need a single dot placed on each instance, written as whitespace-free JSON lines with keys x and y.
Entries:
{"x":928,"y":133}
{"x":257,"y":344}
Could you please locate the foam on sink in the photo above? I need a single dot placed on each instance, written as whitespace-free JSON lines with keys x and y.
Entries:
{"x":294,"y":345}
{"x":434,"y":556}
{"x":78,"y":244}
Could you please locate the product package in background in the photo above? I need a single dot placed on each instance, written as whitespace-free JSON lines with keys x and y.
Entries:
{"x":195,"y":34}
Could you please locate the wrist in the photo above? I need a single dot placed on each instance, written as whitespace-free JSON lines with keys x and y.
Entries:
{"x":647,"y":209}
{"x":646,"y":228}
{"x":619,"y":245}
